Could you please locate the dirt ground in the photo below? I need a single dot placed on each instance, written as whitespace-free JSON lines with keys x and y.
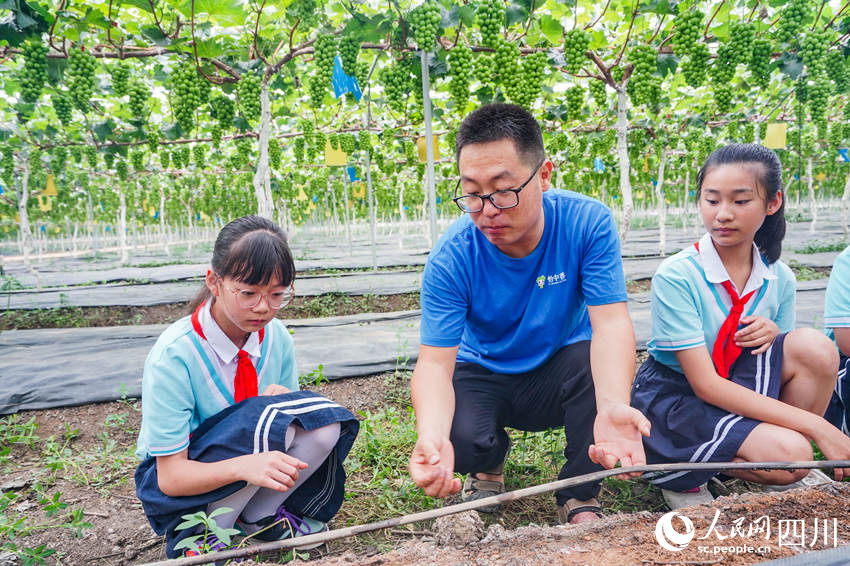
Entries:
{"x":120,"y":534}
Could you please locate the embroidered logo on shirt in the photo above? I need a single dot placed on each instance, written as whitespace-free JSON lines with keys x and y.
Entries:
{"x":554,"y":279}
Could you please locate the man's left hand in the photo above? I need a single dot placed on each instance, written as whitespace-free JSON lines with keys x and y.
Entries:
{"x":617,"y":437}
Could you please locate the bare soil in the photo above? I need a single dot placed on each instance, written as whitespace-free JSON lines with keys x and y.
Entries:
{"x":120,"y":533}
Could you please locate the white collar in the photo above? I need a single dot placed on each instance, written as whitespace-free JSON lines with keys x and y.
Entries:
{"x":715,"y":271}
{"x":224,"y":346}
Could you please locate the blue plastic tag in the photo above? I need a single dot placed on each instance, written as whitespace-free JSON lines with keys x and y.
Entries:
{"x":343,"y":83}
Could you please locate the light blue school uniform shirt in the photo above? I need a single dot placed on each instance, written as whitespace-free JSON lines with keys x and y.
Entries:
{"x":837,"y":306}
{"x":689,"y":303}
{"x":188,"y":379}
{"x":510,"y":315}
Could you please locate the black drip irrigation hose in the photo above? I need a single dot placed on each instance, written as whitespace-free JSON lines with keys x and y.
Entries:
{"x":286,"y":544}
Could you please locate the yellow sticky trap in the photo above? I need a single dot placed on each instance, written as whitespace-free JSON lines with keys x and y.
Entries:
{"x":311,"y":207}
{"x":358,"y":190}
{"x":204,"y":217}
{"x":17,"y":218}
{"x":646,"y":164}
{"x":302,"y":196}
{"x":423,"y":151}
{"x":776,"y":136}
{"x":152,"y":211}
{"x":334,"y":156}
{"x":820,"y":176}
{"x":50,"y":190}
{"x":44,"y":203}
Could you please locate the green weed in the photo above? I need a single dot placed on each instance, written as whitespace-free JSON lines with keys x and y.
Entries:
{"x":806,"y":273}
{"x":818,"y":247}
{"x":314,"y":378}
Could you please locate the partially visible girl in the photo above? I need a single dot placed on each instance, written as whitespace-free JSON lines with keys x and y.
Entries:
{"x":836,"y":319}
{"x":223,"y":425}
{"x":728,"y":377}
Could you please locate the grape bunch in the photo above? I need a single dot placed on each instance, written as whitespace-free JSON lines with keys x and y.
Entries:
{"x":298,"y":149}
{"x":33,"y":74}
{"x":687,"y":28}
{"x":63,"y":106}
{"x":485,"y":69}
{"x":576,"y":42}
{"x":533,"y":71}
{"x":575,"y":101}
{"x":215,"y":135}
{"x":91,"y":156}
{"x":394,"y":79}
{"x":8,"y":164}
{"x":318,"y":145}
{"x":333,"y":139}
{"x":598,"y":92}
{"x":137,"y":158}
{"x":723,"y":68}
{"x":695,"y":66}
{"x":836,"y":135}
{"x":818,"y":96}
{"x":760,"y":62}
{"x":185,"y":95}
{"x":80,"y":77}
{"x":199,"y":154}
{"x":507,"y":63}
{"x":120,"y":79}
{"x":316,"y":88}
{"x":749,"y":133}
{"x":304,"y":10}
{"x":139,"y":93}
{"x":460,"y":73}
{"x":349,"y":48}
{"x":364,"y":140}
{"x":325,"y":51}
{"x":558,"y":142}
{"x":723,"y":97}
{"x":491,"y":18}
{"x":644,"y":59}
{"x":274,"y":153}
{"x":164,"y":159}
{"x":347,"y":143}
{"x":223,"y":109}
{"x":109,"y":159}
{"x":425,"y":21}
{"x":846,"y":127}
{"x":732,"y":132}
{"x":76,"y":153}
{"x":741,"y":38}
{"x":249,"y":96}
{"x":801,"y":89}
{"x":791,"y":20}
{"x":813,"y":48}
{"x":836,"y":70}
{"x":121,"y":169}
{"x":59,"y":158}
{"x":154,"y":138}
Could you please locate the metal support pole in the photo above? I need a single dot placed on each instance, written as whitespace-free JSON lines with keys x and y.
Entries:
{"x":367,"y":118}
{"x":345,"y":182}
{"x":429,"y":148}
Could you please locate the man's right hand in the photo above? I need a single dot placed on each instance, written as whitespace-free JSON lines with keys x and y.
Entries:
{"x":432,"y":466}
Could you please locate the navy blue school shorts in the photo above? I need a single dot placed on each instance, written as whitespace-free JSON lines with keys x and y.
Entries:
{"x":687,"y":429}
{"x":257,"y":424}
{"x":838,"y":412}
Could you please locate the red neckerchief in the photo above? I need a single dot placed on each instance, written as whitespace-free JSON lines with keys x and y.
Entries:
{"x":245,"y":384}
{"x":725,"y":351}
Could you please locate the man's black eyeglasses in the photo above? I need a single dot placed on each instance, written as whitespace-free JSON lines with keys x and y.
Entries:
{"x":506,"y":198}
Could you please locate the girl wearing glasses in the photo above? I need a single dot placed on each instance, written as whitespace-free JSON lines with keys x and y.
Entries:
{"x":224,"y":428}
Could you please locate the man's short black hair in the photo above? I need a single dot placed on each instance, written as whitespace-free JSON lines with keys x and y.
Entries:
{"x":498,"y":121}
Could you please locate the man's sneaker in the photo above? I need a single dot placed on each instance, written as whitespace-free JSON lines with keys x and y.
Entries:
{"x":696,"y":496}
{"x":814,"y":477}
{"x":282,"y":525}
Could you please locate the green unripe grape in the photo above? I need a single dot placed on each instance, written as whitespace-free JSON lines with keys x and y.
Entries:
{"x":425,"y":23}
{"x":137,"y":158}
{"x":324,"y":53}
{"x":139,"y":93}
{"x":741,"y":38}
{"x":813,"y":48}
{"x":532,"y":74}
{"x":836,"y":70}
{"x":76,"y":153}
{"x":199,"y":154}
{"x":249,"y":91}
{"x":347,"y":143}
{"x":723,"y":68}
{"x":79,"y":75}
{"x":177,"y":159}
{"x":185,"y":95}
{"x":749,"y":133}
{"x":303,"y":10}
{"x":395,"y":81}
{"x":109,"y":159}
{"x":298,"y":149}
{"x":801,"y":90}
{"x":687,"y":29}
{"x":223,"y":109}
{"x":349,"y":48}
{"x":491,"y":19}
{"x":762,"y":131}
{"x":364,"y":140}
{"x":818,"y":96}
{"x":164,"y":159}
{"x":33,"y":73}
{"x":215,"y":135}
{"x":576,"y":42}
{"x":760,"y":62}
{"x":274,"y":153}
{"x":120,"y":79}
{"x":723,"y":98}
{"x":91,"y":156}
{"x":791,"y":20}
{"x":63,"y":106}
{"x":317,"y":87}
{"x":460,"y":73}
{"x":644,"y":58}
{"x":121,"y":169}
{"x":154,"y":137}
{"x":598,"y":92}
{"x":575,"y":101}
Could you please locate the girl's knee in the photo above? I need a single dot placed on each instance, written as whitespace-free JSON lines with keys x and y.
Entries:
{"x":812,"y":348}
{"x":326,"y":437}
{"x":793,"y":447}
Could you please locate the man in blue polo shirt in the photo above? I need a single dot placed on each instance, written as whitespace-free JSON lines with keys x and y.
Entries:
{"x":524,"y":324}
